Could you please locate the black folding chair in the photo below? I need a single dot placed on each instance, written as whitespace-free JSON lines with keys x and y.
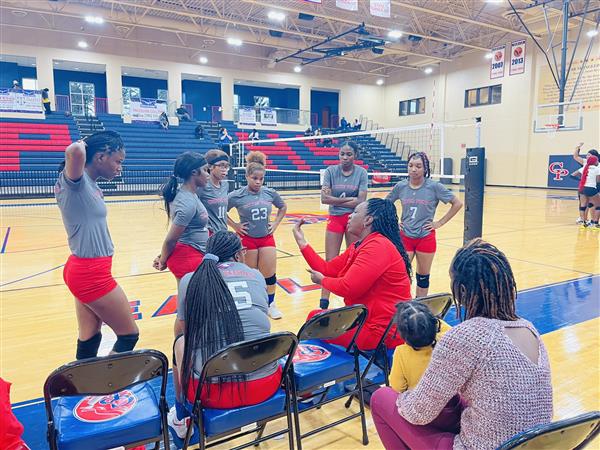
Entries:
{"x":438,"y":304}
{"x":108,"y":402}
{"x":217,"y":426}
{"x":319,"y":365}
{"x":574,"y":433}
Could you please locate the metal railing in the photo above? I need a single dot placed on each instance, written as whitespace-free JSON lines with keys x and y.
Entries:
{"x":283,"y":115}
{"x":62,"y":103}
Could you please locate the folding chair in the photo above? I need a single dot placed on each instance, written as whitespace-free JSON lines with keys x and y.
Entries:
{"x":438,"y":304}
{"x":108,"y":402}
{"x":217,"y":426}
{"x":569,"y":434}
{"x":319,"y":365}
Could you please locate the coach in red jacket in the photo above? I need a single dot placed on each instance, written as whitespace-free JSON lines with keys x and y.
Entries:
{"x":374,"y":271}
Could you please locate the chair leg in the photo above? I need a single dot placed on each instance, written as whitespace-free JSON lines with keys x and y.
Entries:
{"x":261,"y":431}
{"x":296,"y":415}
{"x":361,"y":400}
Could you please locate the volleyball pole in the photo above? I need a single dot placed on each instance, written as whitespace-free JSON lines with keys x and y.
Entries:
{"x":474,"y":187}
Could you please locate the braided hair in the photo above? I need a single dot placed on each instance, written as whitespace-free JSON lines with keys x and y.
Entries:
{"x":353,"y":146}
{"x":103,"y":141}
{"x":212,"y":320}
{"x":483,"y":282}
{"x":425,"y":159}
{"x":185,"y":164}
{"x":416,"y":324}
{"x":385,"y":221}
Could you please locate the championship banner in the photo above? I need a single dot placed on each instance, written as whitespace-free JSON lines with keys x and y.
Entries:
{"x":517,"y":57}
{"x":348,"y":5}
{"x":268,"y":116}
{"x":560,"y":172}
{"x":497,"y":62}
{"x":380,"y":8}
{"x":313,"y":1}
{"x":146,"y":110}
{"x":21,"y":101}
{"x":247,"y":116}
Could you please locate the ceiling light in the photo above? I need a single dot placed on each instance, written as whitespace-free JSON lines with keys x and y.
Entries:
{"x":76,"y":68}
{"x":428,"y":70}
{"x":592,"y":33}
{"x":277,"y":16}
{"x":297,"y":69}
{"x":379,"y":82}
{"x":82,"y":44}
{"x":33,"y":64}
{"x":125,"y":73}
{"x":489,"y":55}
{"x":395,"y":34}
{"x":94,"y":19}
{"x":203,"y":60}
{"x":234,"y":41}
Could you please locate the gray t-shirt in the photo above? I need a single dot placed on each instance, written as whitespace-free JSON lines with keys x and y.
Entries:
{"x":249,"y":291}
{"x":255,"y":209}
{"x":418,"y":205}
{"x":83,"y":211}
{"x":344,"y":186}
{"x":188,"y":211}
{"x":215,"y":200}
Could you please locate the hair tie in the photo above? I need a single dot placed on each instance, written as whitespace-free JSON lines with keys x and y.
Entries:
{"x":211,"y":257}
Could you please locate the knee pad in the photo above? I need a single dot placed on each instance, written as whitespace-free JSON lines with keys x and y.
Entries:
{"x":590,"y":205}
{"x":597,"y":208}
{"x":422,"y":281}
{"x":582,"y":208}
{"x":271,"y":280}
{"x":89,"y":348}
{"x":125,"y":342}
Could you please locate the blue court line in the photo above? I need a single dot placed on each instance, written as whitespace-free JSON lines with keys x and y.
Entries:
{"x":31,"y":276}
{"x":5,"y":240}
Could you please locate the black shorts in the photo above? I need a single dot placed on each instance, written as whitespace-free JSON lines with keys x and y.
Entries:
{"x":589,"y":191}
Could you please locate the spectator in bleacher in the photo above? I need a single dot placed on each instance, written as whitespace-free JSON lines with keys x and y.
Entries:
{"x":343,"y":123}
{"x":318,"y":132}
{"x":199,"y":131}
{"x":225,"y":139}
{"x":308,"y":131}
{"x":253,"y":136}
{"x":212,"y":318}
{"x":495,"y":360}
{"x":214,"y":195}
{"x":183,"y":248}
{"x":356,"y":126}
{"x":87,"y":273}
{"x":163,"y":120}
{"x":344,"y":188}
{"x":16,"y":86}
{"x":254,"y":203}
{"x":183,"y":114}
{"x":46,"y":101}
{"x":374,"y":271}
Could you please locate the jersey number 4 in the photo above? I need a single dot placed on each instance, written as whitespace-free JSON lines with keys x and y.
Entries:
{"x":259,"y":213}
{"x":240,"y":293}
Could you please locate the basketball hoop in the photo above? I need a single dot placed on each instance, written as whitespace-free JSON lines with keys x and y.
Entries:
{"x":552,"y":129}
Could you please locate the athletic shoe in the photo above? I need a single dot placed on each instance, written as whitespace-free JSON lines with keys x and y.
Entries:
{"x":274,"y":312}
{"x":324,"y":303}
{"x":579,"y":221}
{"x":178,"y":426}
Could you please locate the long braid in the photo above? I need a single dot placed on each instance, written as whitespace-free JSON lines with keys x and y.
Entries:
{"x":483,"y":282}
{"x":212,"y":320}
{"x":425,"y":159}
{"x":385,"y":221}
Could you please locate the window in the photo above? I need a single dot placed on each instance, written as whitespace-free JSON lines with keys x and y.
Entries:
{"x":129,"y":94}
{"x":82,"y":98}
{"x":488,"y":95}
{"x":412,"y":107}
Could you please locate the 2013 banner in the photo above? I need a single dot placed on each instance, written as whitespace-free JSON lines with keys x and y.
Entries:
{"x":517,"y":57}
{"x":497,"y":62}
{"x":20,"y":101}
{"x":380,"y":8}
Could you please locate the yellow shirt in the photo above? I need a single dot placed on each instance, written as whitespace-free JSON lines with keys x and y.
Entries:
{"x":410,"y":364}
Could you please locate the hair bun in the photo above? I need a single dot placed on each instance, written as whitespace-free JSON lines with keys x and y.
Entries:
{"x":256,"y":157}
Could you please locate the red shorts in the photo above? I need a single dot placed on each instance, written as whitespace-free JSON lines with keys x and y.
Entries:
{"x":251,"y":243}
{"x":425,"y":244}
{"x":337,"y":224}
{"x":88,"y":279}
{"x":184,"y":259}
{"x":235,"y":394}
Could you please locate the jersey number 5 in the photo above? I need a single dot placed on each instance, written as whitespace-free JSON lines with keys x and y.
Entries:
{"x":259,"y":213}
{"x":240,"y":294}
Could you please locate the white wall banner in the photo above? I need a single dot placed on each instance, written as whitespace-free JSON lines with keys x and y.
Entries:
{"x":380,"y":8}
{"x":497,"y":62}
{"x":22,"y":101}
{"x":348,"y":5}
{"x":246,"y":115}
{"x":268,"y":116}
{"x":517,"y":57}
{"x":146,"y":109}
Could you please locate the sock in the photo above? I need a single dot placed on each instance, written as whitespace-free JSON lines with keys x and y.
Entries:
{"x":324,"y":303}
{"x":271,"y":298}
{"x":180,"y":410}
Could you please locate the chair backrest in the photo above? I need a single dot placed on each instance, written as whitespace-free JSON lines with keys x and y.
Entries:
{"x":248,"y":356}
{"x":569,"y":434}
{"x":333,"y":323}
{"x":438,"y":304}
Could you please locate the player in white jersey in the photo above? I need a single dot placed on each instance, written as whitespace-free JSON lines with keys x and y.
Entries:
{"x":588,"y":189}
{"x":584,"y":209}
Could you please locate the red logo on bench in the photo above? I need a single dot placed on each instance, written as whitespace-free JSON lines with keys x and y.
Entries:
{"x":106,"y":407}
{"x":310,"y":353}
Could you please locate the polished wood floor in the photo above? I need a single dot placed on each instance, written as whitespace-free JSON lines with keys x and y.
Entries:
{"x":535,"y":228}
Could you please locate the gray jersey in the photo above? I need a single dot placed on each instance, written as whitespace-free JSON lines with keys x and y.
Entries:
{"x":249,"y":291}
{"x":418,"y":205}
{"x":344,"y":186}
{"x":215,"y":200}
{"x":83,"y":211}
{"x":255,"y":209}
{"x":188,"y":211}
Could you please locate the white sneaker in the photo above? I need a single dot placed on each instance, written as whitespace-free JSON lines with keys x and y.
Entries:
{"x":274,"y":312}
{"x":178,"y":426}
{"x":579,"y":221}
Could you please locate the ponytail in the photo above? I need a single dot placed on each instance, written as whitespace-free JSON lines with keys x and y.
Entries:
{"x":590,"y":161}
{"x":185,"y":164}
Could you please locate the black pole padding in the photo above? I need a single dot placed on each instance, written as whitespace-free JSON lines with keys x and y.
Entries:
{"x":474,"y":187}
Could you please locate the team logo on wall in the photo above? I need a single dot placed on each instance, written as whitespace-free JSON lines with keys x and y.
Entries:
{"x":105,"y":408}
{"x":557,"y":169}
{"x":310,"y":353}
